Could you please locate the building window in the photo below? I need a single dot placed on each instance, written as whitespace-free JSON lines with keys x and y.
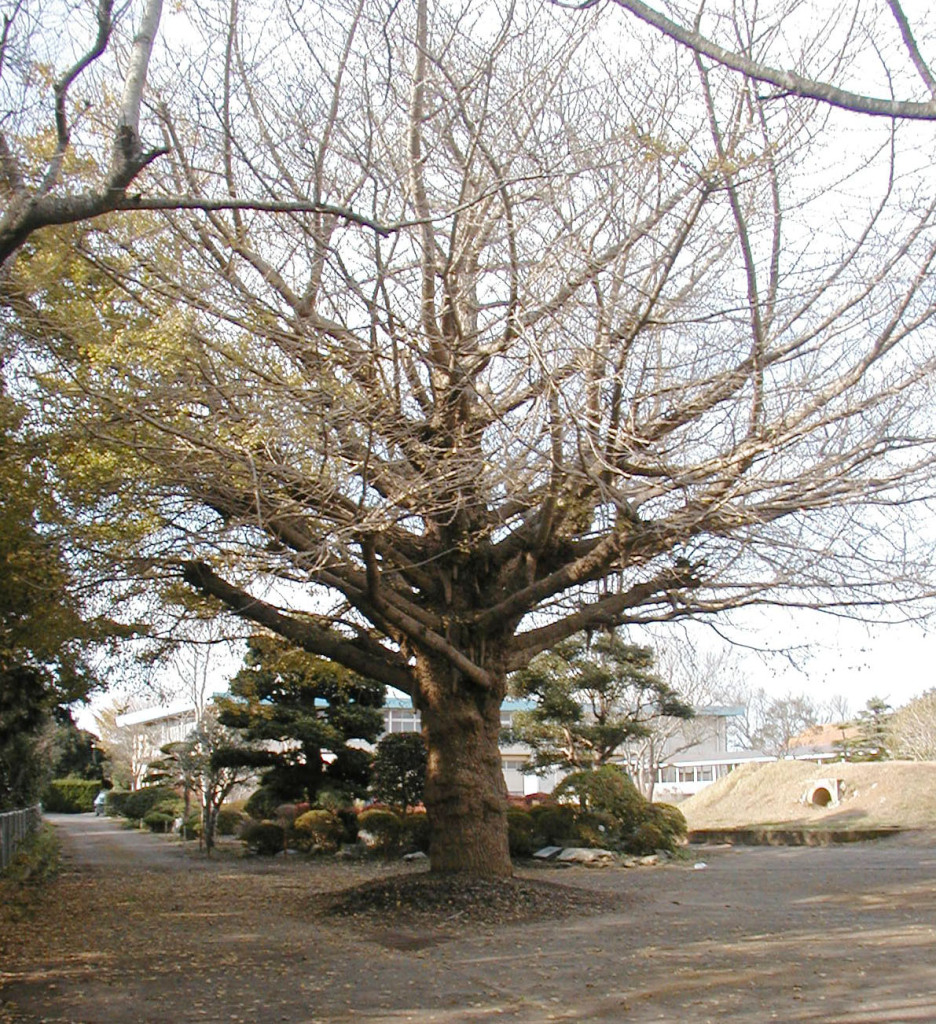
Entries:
{"x":403,"y":720}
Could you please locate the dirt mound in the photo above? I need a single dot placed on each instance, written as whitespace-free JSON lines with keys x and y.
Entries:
{"x":867,"y":795}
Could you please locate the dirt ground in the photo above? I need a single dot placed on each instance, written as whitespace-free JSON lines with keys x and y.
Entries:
{"x":138,"y":929}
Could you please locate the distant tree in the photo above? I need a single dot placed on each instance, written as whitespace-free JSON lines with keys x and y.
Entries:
{"x":70,"y":752}
{"x":872,"y":733}
{"x":193,"y":764}
{"x":399,"y":770}
{"x":306,"y":709}
{"x":593,"y":695}
{"x":768,"y":723}
{"x":911,"y":731}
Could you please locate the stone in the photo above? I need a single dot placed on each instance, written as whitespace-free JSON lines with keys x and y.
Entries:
{"x":548,"y":853}
{"x":586,"y":855}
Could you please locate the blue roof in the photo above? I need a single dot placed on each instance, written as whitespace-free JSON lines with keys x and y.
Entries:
{"x":509,"y":704}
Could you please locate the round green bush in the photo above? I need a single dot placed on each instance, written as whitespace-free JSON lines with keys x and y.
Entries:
{"x":70,"y":796}
{"x":265,"y":838}
{"x":647,"y":838}
{"x":606,"y":790}
{"x":318,"y":829}
{"x":597,"y":830}
{"x":229,"y":821}
{"x":262,"y":805}
{"x":137,"y":804}
{"x":521,"y":832}
{"x":673,"y":822}
{"x":416,"y":832}
{"x":555,"y":823}
{"x":192,"y":826}
{"x":381,"y":831}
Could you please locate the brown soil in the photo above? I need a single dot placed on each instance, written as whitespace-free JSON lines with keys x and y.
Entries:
{"x":890,"y":793}
{"x":838,"y":935}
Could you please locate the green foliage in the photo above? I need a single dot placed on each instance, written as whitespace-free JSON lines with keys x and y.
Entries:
{"x":416,"y":832}
{"x":399,"y":770}
{"x":264,"y":838}
{"x":521,"y":832}
{"x":873,"y":734}
{"x":229,"y":821}
{"x":71,"y":752}
{"x":70,"y":796}
{"x":308,"y":706}
{"x":262,"y":804}
{"x":384,"y":831}
{"x":609,"y":811}
{"x":318,"y":829}
{"x":592,"y":696}
{"x":607,"y":790}
{"x":555,"y":823}
{"x":158,"y":821}
{"x":137,"y":804}
{"x":37,"y":859}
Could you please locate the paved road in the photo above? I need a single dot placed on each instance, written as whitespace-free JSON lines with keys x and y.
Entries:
{"x":89,"y":841}
{"x":838,"y":935}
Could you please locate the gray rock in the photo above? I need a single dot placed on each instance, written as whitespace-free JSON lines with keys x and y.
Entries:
{"x":587,"y":856}
{"x":418,"y":855}
{"x":548,"y":853}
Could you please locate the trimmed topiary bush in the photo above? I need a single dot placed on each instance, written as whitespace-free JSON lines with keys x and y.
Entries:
{"x":157,"y":821}
{"x":597,"y":830}
{"x":381,"y":831}
{"x":555,"y":823}
{"x":229,"y":820}
{"x":318,"y":829}
{"x":137,"y":804}
{"x":262,"y":805}
{"x":416,"y":832}
{"x":70,"y":796}
{"x":264,"y":838}
{"x":521,"y":832}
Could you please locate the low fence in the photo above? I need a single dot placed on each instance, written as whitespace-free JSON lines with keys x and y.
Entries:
{"x":14,"y":827}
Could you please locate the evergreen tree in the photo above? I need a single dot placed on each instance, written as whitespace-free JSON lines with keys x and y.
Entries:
{"x":592,"y":695}
{"x":306,"y":710}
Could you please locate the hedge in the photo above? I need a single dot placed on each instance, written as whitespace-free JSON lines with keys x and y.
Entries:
{"x":70,"y":796}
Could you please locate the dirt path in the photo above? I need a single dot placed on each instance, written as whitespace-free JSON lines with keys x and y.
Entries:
{"x":840,"y":935}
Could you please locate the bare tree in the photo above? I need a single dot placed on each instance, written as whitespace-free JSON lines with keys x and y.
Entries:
{"x":37,"y":188}
{"x":912,"y":729}
{"x":860,"y":30}
{"x":640,"y":349}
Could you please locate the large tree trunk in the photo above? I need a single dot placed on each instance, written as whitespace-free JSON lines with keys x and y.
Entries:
{"x":465,"y":794}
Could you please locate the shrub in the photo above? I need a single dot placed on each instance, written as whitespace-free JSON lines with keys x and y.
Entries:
{"x":612,"y":812}
{"x":521,"y":832}
{"x":318,"y":829}
{"x":140,"y":802}
{"x":597,"y":830}
{"x":37,"y":859}
{"x":416,"y":832}
{"x":265,"y":838}
{"x":262,"y":804}
{"x":382,"y":831}
{"x":70,"y":796}
{"x":555,"y":823}
{"x":606,"y":790}
{"x":228,"y":821}
{"x":192,"y":826}
{"x":673,"y":822}
{"x":157,"y":821}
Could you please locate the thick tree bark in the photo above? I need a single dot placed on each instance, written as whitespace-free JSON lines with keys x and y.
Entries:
{"x":465,"y":794}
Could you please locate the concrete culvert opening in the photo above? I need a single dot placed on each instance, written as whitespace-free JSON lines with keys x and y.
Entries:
{"x":824,"y":793}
